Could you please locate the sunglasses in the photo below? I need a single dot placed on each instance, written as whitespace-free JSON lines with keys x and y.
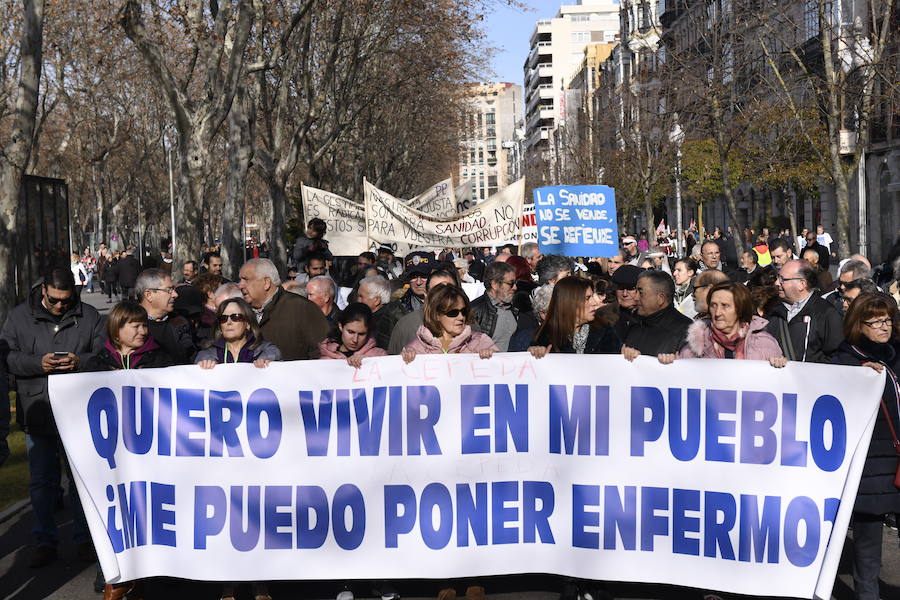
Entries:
{"x":52,"y":300}
{"x":235,"y":318}
{"x":456,"y":312}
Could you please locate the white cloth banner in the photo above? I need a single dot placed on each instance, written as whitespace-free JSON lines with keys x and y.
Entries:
{"x":728,"y":475}
{"x":497,"y":218}
{"x":346,"y":220}
{"x":438,"y":201}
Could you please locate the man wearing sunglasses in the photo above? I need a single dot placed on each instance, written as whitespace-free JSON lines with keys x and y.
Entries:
{"x":494,"y":312}
{"x":52,"y":332}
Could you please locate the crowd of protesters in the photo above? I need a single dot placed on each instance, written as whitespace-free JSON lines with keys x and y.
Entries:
{"x":783,"y":299}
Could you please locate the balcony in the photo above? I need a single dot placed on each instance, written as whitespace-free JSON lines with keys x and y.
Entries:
{"x":537,"y":51}
{"x":540,"y":118}
{"x":542,"y":27}
{"x":543,"y":91}
{"x":538,"y":136}
{"x":542,"y":70}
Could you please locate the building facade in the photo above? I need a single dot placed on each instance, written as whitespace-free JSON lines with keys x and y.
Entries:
{"x":490,"y":152}
{"x":555,"y":56}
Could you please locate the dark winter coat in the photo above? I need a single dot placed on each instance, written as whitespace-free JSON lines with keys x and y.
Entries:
{"x":601,"y":339}
{"x":110,"y":271}
{"x":485,"y":314}
{"x":176,"y":337}
{"x":148,"y":356}
{"x":663,"y":332}
{"x":128,"y":269}
{"x":31,"y":332}
{"x":824,"y":325}
{"x":877,"y":494}
{"x":295,"y":325}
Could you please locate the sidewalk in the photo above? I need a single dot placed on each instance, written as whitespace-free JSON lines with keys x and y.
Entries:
{"x":98,"y":301}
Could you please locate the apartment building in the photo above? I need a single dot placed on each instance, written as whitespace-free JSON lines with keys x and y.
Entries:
{"x":557,"y":52}
{"x":489,"y":152}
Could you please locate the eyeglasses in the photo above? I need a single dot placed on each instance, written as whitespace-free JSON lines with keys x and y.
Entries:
{"x":780,"y":278}
{"x":54,"y":301}
{"x":879,"y":323}
{"x":167,"y":290}
{"x":509,"y":283}
{"x":235,"y":318}
{"x":456,"y":312}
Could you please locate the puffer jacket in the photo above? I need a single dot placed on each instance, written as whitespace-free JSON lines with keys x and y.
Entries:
{"x":759,"y":345}
{"x":31,"y":332}
{"x":877,"y":494}
{"x":328,"y":349}
{"x":467,"y":342}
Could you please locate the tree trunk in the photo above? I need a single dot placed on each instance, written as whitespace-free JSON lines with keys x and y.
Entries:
{"x":792,"y":213}
{"x":278,"y":251}
{"x":192,"y":161}
{"x":842,"y":203}
{"x":17,"y":152}
{"x":240,"y":151}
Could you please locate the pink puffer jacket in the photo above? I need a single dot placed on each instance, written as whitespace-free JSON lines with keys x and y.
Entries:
{"x":467,"y":342}
{"x":760,"y":345}
{"x":328,"y":349}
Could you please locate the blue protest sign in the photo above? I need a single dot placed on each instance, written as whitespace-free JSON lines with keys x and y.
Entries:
{"x":577,"y":220}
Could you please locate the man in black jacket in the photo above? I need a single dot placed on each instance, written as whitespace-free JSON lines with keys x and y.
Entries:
{"x":494,"y":312}
{"x":157,"y":293}
{"x":660,"y":328}
{"x":807,"y":327}
{"x":128,"y":268}
{"x":52,"y":332}
{"x":711,"y":256}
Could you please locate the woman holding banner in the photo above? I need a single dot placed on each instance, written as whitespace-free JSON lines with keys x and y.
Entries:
{"x":446,"y":329}
{"x":128,"y":345}
{"x":872,"y":334}
{"x":571,"y":326}
{"x":353,"y":336}
{"x":733,"y":330}
{"x":237,"y":338}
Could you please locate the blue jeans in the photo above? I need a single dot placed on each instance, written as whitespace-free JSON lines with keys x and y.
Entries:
{"x":45,"y":459}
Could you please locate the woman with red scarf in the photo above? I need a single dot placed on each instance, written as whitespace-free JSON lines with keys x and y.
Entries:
{"x":733,"y":330}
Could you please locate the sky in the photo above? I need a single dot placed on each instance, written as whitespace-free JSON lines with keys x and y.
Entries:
{"x":509,"y":29}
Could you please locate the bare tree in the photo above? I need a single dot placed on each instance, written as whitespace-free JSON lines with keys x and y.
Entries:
{"x":819,"y":57}
{"x":708,"y":55}
{"x":16,"y":151}
{"x":199,"y":97}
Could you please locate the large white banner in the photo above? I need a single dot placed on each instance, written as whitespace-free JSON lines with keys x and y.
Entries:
{"x":727,"y":475}
{"x":497,"y":218}
{"x":346,"y":220}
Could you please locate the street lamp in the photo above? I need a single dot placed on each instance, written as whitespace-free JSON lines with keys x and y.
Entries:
{"x":677,"y":137}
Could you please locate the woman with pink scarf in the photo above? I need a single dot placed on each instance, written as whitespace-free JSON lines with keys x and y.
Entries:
{"x":352,"y":338}
{"x":733,"y":330}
